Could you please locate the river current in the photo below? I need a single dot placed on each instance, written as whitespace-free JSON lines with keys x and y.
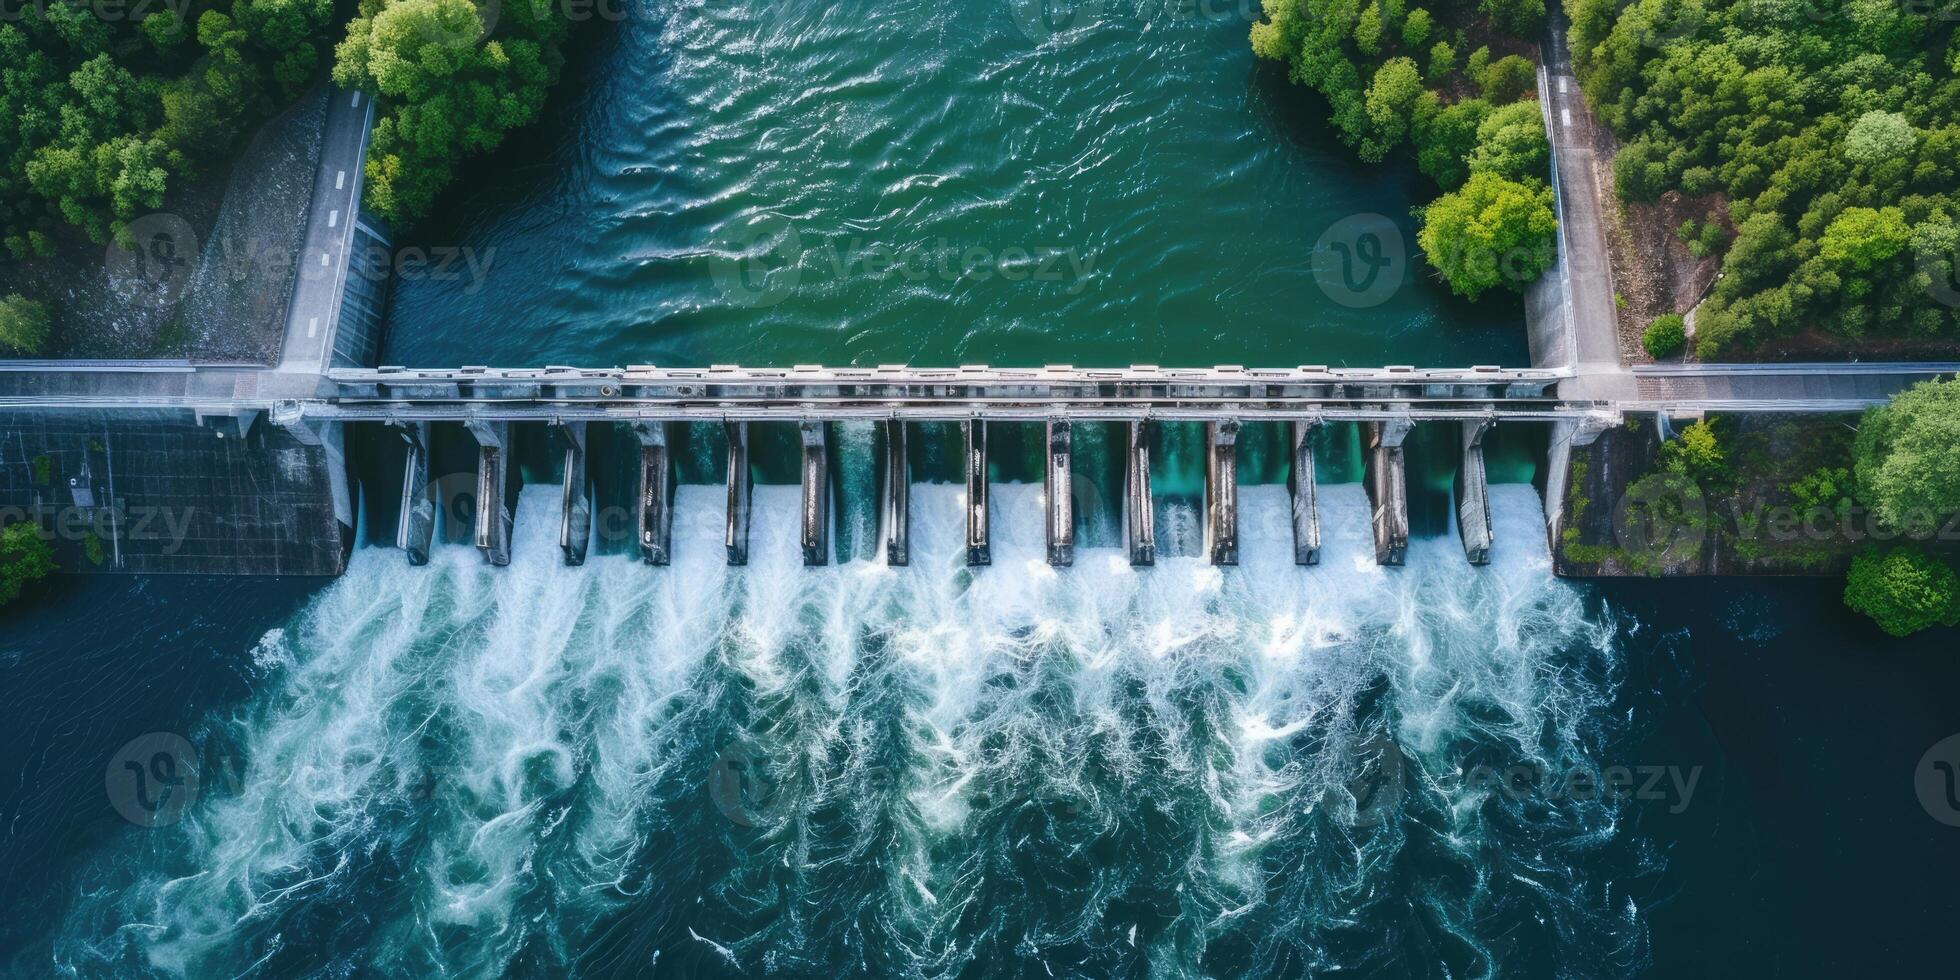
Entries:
{"x":927,"y":771}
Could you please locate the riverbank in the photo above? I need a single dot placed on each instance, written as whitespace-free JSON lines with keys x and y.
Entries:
{"x":211,"y":272}
{"x":1761,"y":510}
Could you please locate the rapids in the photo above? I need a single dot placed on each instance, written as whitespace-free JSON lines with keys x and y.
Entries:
{"x":928,"y":771}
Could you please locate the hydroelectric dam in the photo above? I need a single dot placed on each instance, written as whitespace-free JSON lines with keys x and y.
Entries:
{"x":159,"y":467}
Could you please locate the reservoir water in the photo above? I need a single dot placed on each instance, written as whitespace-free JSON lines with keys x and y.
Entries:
{"x":908,"y":182}
{"x":697,"y":771}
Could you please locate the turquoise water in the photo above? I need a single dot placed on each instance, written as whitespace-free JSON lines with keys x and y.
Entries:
{"x":804,"y":182}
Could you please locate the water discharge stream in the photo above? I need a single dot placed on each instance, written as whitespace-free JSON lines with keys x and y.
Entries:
{"x":929,"y":771}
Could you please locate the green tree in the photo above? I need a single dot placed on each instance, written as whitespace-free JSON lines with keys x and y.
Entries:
{"x":24,"y":325}
{"x":1665,"y":337}
{"x":1903,"y":590}
{"x":447,"y":91}
{"x":1511,"y":143}
{"x":1491,"y":232}
{"x":1907,"y":457}
{"x":1445,"y":142}
{"x":1879,"y":135}
{"x":24,"y":558}
{"x":1416,"y":29}
{"x":1368,"y":30}
{"x":1696,"y":453}
{"x":1442,"y":61}
{"x":1392,"y":99}
{"x":1508,"y":78}
{"x":1524,"y":18}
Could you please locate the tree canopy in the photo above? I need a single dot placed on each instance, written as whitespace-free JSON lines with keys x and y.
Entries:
{"x":1904,"y":590}
{"x":1908,"y":457}
{"x":1834,"y":141}
{"x":1492,"y":232}
{"x":105,"y":115}
{"x":450,"y":86}
{"x":1390,"y":78}
{"x":24,"y":325}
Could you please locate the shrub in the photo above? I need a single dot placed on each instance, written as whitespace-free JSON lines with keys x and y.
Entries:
{"x":24,"y":558}
{"x":1830,"y":488}
{"x":1696,"y":453}
{"x":1666,"y":336}
{"x":1904,"y":590}
{"x":24,"y":325}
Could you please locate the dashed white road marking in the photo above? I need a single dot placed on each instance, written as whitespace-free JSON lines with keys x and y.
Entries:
{"x":312,"y":327}
{"x":333,"y":220}
{"x":357,"y":99}
{"x":1565,"y":114}
{"x":1561,"y":84}
{"x":324,"y":260}
{"x":340,"y":181}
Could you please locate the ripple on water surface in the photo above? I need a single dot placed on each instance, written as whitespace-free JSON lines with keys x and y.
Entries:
{"x":885,"y":182}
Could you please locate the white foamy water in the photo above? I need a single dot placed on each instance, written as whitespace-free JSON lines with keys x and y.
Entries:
{"x":931,"y":770}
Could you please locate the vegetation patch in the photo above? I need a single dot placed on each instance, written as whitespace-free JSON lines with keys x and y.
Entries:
{"x":1398,"y":78}
{"x":25,"y":558}
{"x":1834,"y":139}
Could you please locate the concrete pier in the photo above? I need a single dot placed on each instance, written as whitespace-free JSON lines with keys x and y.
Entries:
{"x":494,"y":519}
{"x":816,"y":494}
{"x":1306,"y":502}
{"x":1222,"y":492}
{"x":741,"y":489}
{"x":1473,"y":494}
{"x":575,"y":515}
{"x":415,"y":526}
{"x":1139,"y":520}
{"x":1388,"y":488}
{"x":654,"y":504}
{"x":1060,"y":488}
{"x":979,"y":550}
{"x":895,"y":518}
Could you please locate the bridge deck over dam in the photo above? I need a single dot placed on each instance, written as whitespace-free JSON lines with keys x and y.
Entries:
{"x":270,"y":488}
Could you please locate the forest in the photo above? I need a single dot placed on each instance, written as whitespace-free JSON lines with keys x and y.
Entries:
{"x":1821,"y":139}
{"x":111,"y":108}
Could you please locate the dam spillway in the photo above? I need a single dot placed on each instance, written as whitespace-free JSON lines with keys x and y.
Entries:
{"x":1154,"y":488}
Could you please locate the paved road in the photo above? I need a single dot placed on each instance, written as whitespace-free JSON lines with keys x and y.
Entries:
{"x":1805,"y":387}
{"x":322,"y":278}
{"x":1584,"y":261}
